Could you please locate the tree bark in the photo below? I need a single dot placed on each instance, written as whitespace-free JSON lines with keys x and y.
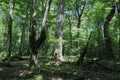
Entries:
{"x":59,"y":34}
{"x":43,"y":36}
{"x":10,"y":22}
{"x":118,"y":18}
{"x":36,"y":44}
{"x":108,"y":43}
{"x":33,"y":51}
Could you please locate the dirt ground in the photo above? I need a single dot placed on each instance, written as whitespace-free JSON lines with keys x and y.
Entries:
{"x":19,"y":71}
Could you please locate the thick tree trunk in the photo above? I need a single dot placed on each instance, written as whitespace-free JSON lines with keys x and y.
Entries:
{"x":59,"y":34}
{"x":10,"y":21}
{"x":118,"y":17}
{"x":36,"y":44}
{"x":33,"y":50}
{"x":118,"y":11}
{"x":108,"y":43}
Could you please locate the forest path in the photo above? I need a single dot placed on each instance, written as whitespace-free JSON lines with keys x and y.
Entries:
{"x":66,"y":71}
{"x":18,"y":70}
{"x":13,"y":71}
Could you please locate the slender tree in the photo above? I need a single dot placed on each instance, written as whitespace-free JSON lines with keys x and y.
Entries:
{"x":21,"y":48}
{"x":70,"y":25}
{"x":82,"y":55}
{"x":10,"y":23}
{"x":79,"y":9}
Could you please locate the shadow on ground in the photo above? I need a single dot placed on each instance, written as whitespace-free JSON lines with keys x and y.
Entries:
{"x":65,"y":71}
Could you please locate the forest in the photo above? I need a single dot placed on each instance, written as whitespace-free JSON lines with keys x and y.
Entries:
{"x":59,"y":39}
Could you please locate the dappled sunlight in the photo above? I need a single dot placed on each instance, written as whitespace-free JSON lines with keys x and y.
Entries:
{"x":118,"y":62}
{"x":59,"y":39}
{"x":38,"y":77}
{"x":56,"y":78}
{"x":65,"y":71}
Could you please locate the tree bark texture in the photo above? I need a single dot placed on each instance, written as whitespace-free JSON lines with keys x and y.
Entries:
{"x":108,"y":43}
{"x":59,"y":34}
{"x":43,"y":36}
{"x":10,"y":22}
{"x":33,"y":50}
{"x":36,"y":44}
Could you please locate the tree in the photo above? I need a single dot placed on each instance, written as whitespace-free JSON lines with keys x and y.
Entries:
{"x":108,"y":43}
{"x":32,"y":35}
{"x":82,"y":55}
{"x":37,"y":44}
{"x":70,"y":24}
{"x":10,"y":22}
{"x":59,"y":34}
{"x":21,"y":48}
{"x":79,"y":12}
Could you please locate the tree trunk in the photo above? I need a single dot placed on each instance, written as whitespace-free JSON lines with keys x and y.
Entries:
{"x":10,"y":22}
{"x":78,"y":27}
{"x":23,"y":36}
{"x":81,"y":58}
{"x":33,"y":50}
{"x":118,"y":17}
{"x":42,"y":37}
{"x":36,"y":44}
{"x":79,"y":15}
{"x":108,"y":43}
{"x":59,"y":34}
{"x":99,"y":39}
{"x":32,"y":45}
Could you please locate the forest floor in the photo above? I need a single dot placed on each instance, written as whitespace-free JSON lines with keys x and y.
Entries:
{"x":65,"y":71}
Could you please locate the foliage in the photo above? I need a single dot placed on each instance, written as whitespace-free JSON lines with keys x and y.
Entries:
{"x":92,"y":20}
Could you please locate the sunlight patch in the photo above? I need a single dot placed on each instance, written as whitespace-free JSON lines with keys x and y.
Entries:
{"x":38,"y":77}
